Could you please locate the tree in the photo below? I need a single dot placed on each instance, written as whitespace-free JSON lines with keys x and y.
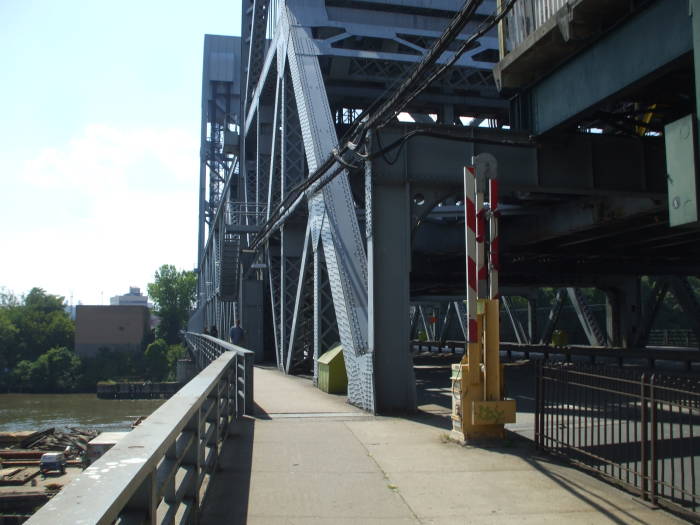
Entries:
{"x":31,"y":326}
{"x":61,"y":368}
{"x":175,"y":352}
{"x":57,"y":370}
{"x":173,"y":293}
{"x":156,"y":360}
{"x":8,"y":338}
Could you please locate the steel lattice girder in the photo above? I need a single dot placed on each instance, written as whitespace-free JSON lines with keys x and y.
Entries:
{"x":290,"y":80}
{"x":333,"y":216}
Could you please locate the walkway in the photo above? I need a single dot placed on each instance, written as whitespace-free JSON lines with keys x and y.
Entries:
{"x":308,"y":457}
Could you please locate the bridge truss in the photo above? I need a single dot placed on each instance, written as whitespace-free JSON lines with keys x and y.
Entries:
{"x":327,"y":221}
{"x":307,"y":71}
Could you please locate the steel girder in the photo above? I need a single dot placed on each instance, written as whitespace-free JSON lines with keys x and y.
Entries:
{"x":254,"y":27}
{"x":301,"y":126}
{"x":686,"y":297}
{"x":332,"y":215}
{"x":553,"y":317}
{"x":217,"y":248}
{"x":634,"y":51}
{"x":316,"y":262}
{"x":521,"y":336}
{"x":594,"y":334}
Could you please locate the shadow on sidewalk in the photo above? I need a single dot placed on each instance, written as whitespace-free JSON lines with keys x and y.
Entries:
{"x":227,"y":495}
{"x":595,"y":501}
{"x":434,"y":396}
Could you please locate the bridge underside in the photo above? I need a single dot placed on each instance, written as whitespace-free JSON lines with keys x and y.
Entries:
{"x":357,"y":257}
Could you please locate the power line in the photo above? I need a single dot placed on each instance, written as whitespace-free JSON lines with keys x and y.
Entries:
{"x":381,"y":113}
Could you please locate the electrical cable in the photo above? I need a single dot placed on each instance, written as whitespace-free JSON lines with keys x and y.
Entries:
{"x":439,"y":47}
{"x":484,"y":28}
{"x":355,"y":135}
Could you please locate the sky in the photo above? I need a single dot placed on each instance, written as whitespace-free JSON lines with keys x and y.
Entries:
{"x":99,"y":140}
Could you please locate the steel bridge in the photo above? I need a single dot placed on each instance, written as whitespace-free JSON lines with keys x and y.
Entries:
{"x":333,"y":141}
{"x":326,"y":218}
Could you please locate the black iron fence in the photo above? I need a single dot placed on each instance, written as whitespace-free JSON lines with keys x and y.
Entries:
{"x":671,"y":337}
{"x":639,"y":429}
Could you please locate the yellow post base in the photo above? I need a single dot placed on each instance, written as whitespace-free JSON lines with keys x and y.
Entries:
{"x":479,"y":411}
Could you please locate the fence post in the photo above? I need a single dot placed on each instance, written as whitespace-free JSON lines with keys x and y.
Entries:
{"x":141,"y":507}
{"x":539,"y":407}
{"x":653,"y":448}
{"x":643,"y":441}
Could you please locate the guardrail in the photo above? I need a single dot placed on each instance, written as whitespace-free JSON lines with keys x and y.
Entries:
{"x":673,"y":337}
{"x":160,"y":471}
{"x":527,"y":16}
{"x":640,"y":430}
{"x":207,"y":348}
{"x":593,"y":353}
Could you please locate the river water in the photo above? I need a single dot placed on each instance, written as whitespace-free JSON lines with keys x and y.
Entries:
{"x":41,"y":411}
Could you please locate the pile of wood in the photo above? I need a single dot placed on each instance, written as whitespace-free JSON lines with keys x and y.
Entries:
{"x":17,"y":475}
{"x":54,"y":441}
{"x":20,"y":439}
{"x":26,"y":448}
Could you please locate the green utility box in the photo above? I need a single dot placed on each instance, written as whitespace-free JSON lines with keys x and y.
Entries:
{"x":560,"y":338}
{"x":332,"y":377}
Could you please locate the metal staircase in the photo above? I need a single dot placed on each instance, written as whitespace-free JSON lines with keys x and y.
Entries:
{"x":230,"y":255}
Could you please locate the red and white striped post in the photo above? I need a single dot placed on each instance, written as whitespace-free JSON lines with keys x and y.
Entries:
{"x":494,"y":262}
{"x":471,"y":250}
{"x":481,"y":262}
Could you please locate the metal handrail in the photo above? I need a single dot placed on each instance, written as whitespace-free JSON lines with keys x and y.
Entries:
{"x":207,"y":348}
{"x":527,"y":16}
{"x":629,"y":426}
{"x":160,"y":471}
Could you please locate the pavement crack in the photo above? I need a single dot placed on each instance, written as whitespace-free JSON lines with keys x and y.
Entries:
{"x":390,"y":485}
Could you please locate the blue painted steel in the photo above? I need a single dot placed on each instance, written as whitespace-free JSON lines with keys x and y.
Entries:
{"x":644,"y":44}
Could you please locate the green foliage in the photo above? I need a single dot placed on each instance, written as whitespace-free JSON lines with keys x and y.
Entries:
{"x":21,"y":375}
{"x":111,"y":365}
{"x":7,"y":298}
{"x":160,"y":360}
{"x":173,"y":293}
{"x":58,"y":370}
{"x":175,"y":352}
{"x":61,"y":368}
{"x":29,"y":328}
{"x":156,"y":360}
{"x":8,"y":338}
{"x":36,"y":337}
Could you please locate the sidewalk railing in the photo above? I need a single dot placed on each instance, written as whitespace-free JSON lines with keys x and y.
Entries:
{"x":527,"y":16}
{"x":673,"y":337}
{"x":160,"y":471}
{"x":207,"y":348}
{"x":638,"y":429}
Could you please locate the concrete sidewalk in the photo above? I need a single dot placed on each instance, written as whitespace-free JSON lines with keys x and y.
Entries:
{"x":309,"y":457}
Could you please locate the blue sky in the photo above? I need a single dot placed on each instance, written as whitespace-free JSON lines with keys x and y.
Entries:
{"x":99,"y":140}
